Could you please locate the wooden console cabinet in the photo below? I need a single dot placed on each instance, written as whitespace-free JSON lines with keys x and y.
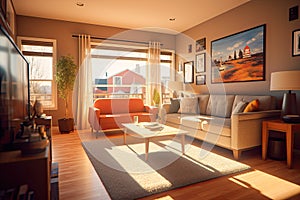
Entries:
{"x":32,"y":170}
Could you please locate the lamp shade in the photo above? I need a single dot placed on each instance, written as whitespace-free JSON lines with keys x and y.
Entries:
{"x":285,"y":80}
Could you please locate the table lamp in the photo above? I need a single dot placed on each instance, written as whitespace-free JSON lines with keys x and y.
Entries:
{"x":288,"y":81}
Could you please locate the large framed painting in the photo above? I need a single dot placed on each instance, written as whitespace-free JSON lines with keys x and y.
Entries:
{"x":239,"y":57}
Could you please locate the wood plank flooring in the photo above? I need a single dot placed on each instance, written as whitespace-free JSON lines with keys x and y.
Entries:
{"x":268,"y":179}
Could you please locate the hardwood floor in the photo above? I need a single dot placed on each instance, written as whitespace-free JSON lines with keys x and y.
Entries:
{"x":268,"y":179}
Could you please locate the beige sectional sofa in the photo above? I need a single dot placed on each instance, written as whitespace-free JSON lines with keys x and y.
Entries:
{"x":220,"y":120}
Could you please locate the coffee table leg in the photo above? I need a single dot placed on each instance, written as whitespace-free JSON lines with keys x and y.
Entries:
{"x":124,"y":136}
{"x":182,"y":143}
{"x":147,"y":140}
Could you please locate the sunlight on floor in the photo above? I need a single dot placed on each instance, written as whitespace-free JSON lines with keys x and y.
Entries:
{"x":268,"y":185}
{"x":165,"y":198}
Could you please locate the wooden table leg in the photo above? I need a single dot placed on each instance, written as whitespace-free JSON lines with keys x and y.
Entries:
{"x":265,"y":138}
{"x":289,"y":147}
{"x":124,"y":136}
{"x":147,"y":140}
{"x":182,"y":143}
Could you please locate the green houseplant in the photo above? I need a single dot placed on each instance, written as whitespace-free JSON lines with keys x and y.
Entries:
{"x":66,"y":71}
{"x":156,"y":97}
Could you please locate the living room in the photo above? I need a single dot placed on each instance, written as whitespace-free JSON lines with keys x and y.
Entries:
{"x":279,"y":56}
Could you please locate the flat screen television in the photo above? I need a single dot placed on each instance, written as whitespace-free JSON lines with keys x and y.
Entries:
{"x":14,"y":90}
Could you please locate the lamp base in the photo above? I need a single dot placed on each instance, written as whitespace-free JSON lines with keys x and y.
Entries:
{"x":289,"y":104}
{"x":291,"y":118}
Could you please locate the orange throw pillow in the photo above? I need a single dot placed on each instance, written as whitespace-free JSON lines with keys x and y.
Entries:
{"x":252,"y":106}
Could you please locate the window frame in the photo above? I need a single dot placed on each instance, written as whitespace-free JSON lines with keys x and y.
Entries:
{"x":54,"y":59}
{"x":133,"y":48}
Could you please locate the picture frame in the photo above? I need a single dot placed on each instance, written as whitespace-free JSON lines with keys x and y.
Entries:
{"x":201,"y":45}
{"x":3,"y":8}
{"x":200,"y":80}
{"x":190,"y":48}
{"x":296,"y":42}
{"x":10,"y":16}
{"x":200,"y":62}
{"x":239,"y":57}
{"x":188,"y":72}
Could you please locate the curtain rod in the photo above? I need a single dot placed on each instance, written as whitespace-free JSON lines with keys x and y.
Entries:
{"x":118,"y":40}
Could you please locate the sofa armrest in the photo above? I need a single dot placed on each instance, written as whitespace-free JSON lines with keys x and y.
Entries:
{"x":151,"y":109}
{"x":163,"y":111}
{"x":93,"y":118}
{"x":166,"y":107}
{"x":256,"y":115}
{"x":246,"y":128}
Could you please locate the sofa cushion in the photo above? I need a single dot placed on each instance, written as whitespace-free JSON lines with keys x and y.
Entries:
{"x":175,"y":105}
{"x":174,"y":118}
{"x":240,"y":107}
{"x":265,"y":102}
{"x":252,"y":106}
{"x":189,"y":105}
{"x":217,"y":125}
{"x":220,"y":105}
{"x":203,"y":100}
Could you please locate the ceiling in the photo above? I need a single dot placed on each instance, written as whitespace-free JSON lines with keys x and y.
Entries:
{"x":151,"y":15}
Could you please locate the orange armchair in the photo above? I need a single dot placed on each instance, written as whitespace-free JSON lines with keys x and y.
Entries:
{"x":110,"y":113}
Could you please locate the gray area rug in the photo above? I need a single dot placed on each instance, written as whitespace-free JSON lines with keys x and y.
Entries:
{"x":126,"y":175}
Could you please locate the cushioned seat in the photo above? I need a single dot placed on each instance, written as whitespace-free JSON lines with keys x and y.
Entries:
{"x":222,"y":120}
{"x":110,"y":113}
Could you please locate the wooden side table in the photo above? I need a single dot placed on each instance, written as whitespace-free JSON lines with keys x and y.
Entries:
{"x":278,"y":125}
{"x":47,"y":122}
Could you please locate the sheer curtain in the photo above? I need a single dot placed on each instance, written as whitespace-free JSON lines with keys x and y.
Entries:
{"x":83,"y":92}
{"x":153,"y":74}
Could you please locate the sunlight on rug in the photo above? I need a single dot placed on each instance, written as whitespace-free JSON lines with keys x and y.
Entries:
{"x":268,"y":185}
{"x":126,"y":175}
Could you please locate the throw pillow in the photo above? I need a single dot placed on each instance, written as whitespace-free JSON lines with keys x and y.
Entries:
{"x":174,"y":107}
{"x":189,"y":105}
{"x":240,"y":107}
{"x":252,"y":106}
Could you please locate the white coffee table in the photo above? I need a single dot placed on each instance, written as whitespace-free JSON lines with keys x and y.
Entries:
{"x":139,"y":130}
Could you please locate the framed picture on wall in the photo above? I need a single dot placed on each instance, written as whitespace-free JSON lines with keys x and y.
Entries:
{"x":188,"y":72}
{"x":190,"y":48}
{"x":10,"y":16}
{"x":200,"y":80}
{"x":296,"y":42}
{"x":200,"y":63}
{"x":3,"y":8}
{"x":239,"y":57}
{"x":201,"y":45}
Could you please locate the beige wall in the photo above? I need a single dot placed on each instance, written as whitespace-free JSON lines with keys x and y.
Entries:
{"x":62,"y":31}
{"x":273,"y":13}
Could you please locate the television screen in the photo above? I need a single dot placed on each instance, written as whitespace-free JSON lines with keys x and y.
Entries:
{"x":14,"y":90}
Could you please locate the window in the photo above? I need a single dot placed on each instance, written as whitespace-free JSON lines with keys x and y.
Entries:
{"x":117,"y":80}
{"x":41,"y":55}
{"x":120,"y":70}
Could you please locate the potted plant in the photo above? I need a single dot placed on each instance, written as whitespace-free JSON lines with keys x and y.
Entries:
{"x":66,"y":71}
{"x":156,"y":97}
